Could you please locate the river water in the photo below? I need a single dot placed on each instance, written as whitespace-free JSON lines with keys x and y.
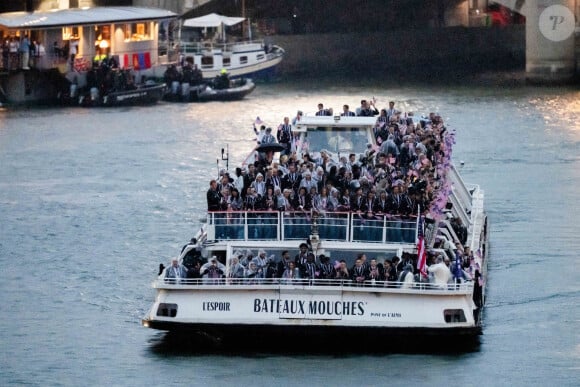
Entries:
{"x":91,"y":201}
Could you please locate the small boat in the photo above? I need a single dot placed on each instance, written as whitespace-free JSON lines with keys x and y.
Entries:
{"x":245,"y":57}
{"x":297,"y":269}
{"x":209,"y":91}
{"x":237,"y":90}
{"x":116,"y":88}
{"x":146,"y":94}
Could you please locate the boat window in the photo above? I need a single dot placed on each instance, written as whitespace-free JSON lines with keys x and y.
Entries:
{"x":260,"y":56}
{"x":70,"y":33}
{"x":167,"y":310}
{"x":227,"y":62}
{"x":345,"y":140}
{"x":243,"y":59}
{"x":135,"y":32}
{"x":206,"y":62}
{"x":454,"y":315}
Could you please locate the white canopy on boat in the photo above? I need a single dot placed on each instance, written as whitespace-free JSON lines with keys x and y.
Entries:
{"x":212,"y":20}
{"x":81,"y":16}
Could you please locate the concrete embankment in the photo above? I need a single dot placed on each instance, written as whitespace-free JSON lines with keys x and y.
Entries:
{"x":429,"y":53}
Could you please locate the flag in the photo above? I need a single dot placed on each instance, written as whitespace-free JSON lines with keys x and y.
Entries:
{"x":421,"y":251}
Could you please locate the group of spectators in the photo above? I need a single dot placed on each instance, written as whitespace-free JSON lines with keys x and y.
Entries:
{"x":21,"y":52}
{"x":397,"y":177}
{"x":249,"y":268}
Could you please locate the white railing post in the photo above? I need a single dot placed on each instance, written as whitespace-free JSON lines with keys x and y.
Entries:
{"x":350,"y":232}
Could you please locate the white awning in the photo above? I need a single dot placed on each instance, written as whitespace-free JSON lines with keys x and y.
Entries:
{"x":81,"y":16}
{"x":212,"y":20}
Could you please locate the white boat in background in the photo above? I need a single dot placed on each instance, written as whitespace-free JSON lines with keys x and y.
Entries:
{"x":241,"y":58}
{"x":335,"y":312}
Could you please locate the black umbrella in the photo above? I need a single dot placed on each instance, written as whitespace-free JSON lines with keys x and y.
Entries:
{"x":270,"y":147}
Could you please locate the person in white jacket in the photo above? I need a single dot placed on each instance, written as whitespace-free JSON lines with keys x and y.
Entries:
{"x":441,"y":273}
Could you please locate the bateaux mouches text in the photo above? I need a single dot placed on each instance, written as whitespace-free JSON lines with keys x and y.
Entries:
{"x":312,"y":307}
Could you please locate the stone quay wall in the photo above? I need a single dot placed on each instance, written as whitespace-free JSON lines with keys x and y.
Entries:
{"x":429,"y":52}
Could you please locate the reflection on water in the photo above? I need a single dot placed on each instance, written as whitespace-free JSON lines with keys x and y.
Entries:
{"x":200,"y":344}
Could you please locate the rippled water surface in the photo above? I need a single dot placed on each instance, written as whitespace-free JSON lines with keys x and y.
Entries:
{"x":91,"y":201}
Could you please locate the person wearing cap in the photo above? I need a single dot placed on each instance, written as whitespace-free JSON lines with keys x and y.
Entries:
{"x":176,"y":272}
{"x":222,"y":81}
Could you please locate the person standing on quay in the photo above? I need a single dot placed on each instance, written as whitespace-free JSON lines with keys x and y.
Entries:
{"x":25,"y":52}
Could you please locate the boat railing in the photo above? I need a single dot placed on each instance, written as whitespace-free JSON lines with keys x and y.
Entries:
{"x":461,"y":190}
{"x":210,"y":46}
{"x":277,"y":283}
{"x":299,"y":225}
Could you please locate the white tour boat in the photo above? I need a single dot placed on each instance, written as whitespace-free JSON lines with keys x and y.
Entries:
{"x":248,"y":307}
{"x":245,"y":58}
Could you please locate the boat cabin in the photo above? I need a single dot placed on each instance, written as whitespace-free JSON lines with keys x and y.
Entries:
{"x":72,"y":40}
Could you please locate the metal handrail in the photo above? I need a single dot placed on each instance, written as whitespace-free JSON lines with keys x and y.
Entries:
{"x":280,"y":283}
{"x":294,"y":225}
{"x":198,"y":47}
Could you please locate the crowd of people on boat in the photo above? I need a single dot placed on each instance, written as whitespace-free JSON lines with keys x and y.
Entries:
{"x":247,"y":267}
{"x":397,"y":177}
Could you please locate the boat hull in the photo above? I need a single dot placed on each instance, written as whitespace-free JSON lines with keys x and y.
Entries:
{"x":143,"y":95}
{"x":203,"y":93}
{"x":259,"y":71}
{"x":147,"y":95}
{"x":231,"y":94}
{"x":203,"y":337}
{"x":237,"y":314}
